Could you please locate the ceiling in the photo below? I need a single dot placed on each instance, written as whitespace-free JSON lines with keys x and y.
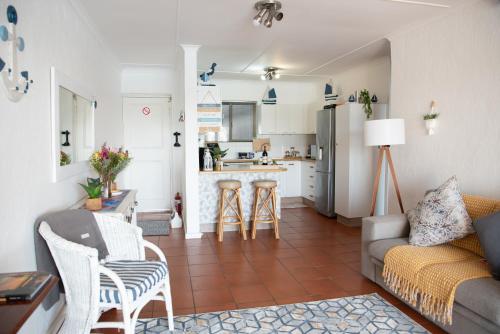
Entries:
{"x":314,"y":38}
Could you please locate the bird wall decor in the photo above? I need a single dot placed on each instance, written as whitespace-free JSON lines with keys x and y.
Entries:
{"x":205,"y":76}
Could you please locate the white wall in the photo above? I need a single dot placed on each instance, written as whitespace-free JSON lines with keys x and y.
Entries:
{"x":373,"y":75}
{"x":455,"y":61}
{"x":55,"y":35}
{"x":149,"y":80}
{"x":162,"y":80}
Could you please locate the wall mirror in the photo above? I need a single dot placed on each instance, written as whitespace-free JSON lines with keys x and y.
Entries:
{"x":73,"y":108}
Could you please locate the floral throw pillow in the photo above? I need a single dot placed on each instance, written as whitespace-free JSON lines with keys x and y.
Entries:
{"x":440,"y":217}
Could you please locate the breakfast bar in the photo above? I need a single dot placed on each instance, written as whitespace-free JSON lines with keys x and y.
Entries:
{"x":210,"y":194}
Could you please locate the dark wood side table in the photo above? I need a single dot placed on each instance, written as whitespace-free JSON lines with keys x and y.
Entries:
{"x":14,"y":314}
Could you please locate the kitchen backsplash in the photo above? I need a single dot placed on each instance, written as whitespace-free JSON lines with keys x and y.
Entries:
{"x":279,"y":144}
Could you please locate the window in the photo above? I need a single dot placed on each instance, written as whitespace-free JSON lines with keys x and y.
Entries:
{"x":238,"y":119}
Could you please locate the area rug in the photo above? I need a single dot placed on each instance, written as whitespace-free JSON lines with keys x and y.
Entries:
{"x":360,"y":314}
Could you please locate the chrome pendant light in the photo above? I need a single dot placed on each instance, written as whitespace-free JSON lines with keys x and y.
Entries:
{"x":268,"y":10}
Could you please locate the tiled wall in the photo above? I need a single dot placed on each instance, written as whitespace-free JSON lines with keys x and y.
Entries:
{"x":279,"y":144}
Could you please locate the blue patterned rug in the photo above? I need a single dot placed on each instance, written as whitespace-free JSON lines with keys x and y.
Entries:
{"x":360,"y":314}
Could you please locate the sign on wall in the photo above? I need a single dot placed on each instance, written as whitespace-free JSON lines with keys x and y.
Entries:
{"x":209,"y":109}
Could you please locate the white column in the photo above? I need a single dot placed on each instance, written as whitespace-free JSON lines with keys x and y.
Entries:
{"x":191,"y":164}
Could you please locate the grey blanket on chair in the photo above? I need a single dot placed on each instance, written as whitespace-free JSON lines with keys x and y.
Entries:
{"x":78,"y":226}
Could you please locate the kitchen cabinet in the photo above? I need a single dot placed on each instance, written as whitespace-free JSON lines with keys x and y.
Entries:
{"x":291,"y":179}
{"x":287,"y":119}
{"x":308,"y":180}
{"x":267,"y":119}
{"x":354,"y":162}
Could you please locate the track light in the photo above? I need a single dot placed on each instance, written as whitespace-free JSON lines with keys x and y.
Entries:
{"x":270,"y":8}
{"x":257,"y":20}
{"x":271,"y":73}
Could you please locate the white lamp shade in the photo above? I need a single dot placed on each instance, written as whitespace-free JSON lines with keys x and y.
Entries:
{"x":385,"y":132}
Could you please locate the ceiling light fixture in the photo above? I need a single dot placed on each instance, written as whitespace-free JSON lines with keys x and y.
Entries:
{"x":271,"y":73}
{"x":270,"y":8}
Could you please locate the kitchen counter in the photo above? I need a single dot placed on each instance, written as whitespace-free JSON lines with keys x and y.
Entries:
{"x":248,"y":169}
{"x":210,"y":193}
{"x":233,"y":161}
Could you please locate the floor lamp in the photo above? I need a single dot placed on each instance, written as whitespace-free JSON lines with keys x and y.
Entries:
{"x":384,"y":133}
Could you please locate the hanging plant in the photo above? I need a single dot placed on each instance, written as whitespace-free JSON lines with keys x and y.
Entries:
{"x":364,"y":98}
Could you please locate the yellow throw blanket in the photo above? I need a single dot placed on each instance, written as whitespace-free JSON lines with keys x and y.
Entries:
{"x":428,"y":277}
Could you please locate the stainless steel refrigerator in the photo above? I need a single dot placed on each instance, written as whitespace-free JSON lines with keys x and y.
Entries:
{"x":325,"y":162}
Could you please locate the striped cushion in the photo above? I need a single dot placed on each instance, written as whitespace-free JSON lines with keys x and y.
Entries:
{"x":137,"y":276}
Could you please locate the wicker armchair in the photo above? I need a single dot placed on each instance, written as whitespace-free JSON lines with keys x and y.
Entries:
{"x":125,"y":281}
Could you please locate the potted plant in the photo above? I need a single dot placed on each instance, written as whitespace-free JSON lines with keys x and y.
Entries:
{"x":364,"y":98}
{"x":218,"y":154}
{"x":108,"y":164}
{"x":430,"y":120}
{"x":94,"y":191}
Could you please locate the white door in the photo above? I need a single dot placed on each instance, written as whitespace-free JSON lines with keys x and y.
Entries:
{"x":147,"y":137}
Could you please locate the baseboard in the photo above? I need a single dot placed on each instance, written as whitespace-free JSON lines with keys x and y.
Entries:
{"x":351,"y":222}
{"x":307,"y":202}
{"x":193,"y":235}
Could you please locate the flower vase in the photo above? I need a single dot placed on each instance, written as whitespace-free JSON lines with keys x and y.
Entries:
{"x":218,"y":165}
{"x":110,"y":188}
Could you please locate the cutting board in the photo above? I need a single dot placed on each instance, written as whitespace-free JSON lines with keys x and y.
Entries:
{"x":258,"y":144}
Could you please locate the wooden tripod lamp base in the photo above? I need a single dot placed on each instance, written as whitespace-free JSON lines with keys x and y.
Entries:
{"x":384,"y":133}
{"x":385,"y":149}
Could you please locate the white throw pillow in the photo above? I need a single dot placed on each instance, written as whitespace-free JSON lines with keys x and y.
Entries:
{"x":440,"y":217}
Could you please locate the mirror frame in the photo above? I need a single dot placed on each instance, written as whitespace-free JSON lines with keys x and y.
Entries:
{"x":57,"y":80}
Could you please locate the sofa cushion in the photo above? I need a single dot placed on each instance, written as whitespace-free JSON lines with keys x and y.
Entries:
{"x":488,"y":231}
{"x":481,"y":296}
{"x":379,"y":248}
{"x":477,"y":207}
{"x":440,"y":217}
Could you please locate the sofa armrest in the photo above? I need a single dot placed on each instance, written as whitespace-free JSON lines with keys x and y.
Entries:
{"x":385,"y":227}
{"x":378,"y":228}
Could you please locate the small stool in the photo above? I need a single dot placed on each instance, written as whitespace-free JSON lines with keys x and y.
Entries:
{"x":230,"y":200}
{"x":262,"y":211}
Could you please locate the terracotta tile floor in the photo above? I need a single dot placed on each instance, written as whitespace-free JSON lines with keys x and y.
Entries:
{"x":316,"y":258}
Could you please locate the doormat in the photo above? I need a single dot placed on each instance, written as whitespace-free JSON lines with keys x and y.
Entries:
{"x":154,"y":227}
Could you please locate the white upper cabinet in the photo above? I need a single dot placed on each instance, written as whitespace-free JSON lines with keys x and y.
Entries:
{"x":267,"y":119}
{"x":287,"y":119}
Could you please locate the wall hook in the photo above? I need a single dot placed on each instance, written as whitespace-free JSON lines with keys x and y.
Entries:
{"x":177,"y":134}
{"x":16,"y":83}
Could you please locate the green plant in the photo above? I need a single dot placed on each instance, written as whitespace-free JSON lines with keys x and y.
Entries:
{"x":430,"y":116}
{"x":65,"y":159}
{"x":364,"y":97}
{"x":93,"y":188}
{"x":218,"y":153}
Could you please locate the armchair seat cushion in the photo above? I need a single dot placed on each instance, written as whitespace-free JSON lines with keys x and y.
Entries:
{"x":137,"y":276}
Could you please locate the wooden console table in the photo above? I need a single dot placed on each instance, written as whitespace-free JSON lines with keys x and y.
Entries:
{"x":121,"y":206}
{"x":13,"y":315}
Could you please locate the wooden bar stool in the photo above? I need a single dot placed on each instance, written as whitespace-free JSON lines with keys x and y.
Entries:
{"x":230,"y":207}
{"x":264,"y":207}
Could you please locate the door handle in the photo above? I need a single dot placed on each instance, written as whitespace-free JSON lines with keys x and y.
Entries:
{"x":320,"y":153}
